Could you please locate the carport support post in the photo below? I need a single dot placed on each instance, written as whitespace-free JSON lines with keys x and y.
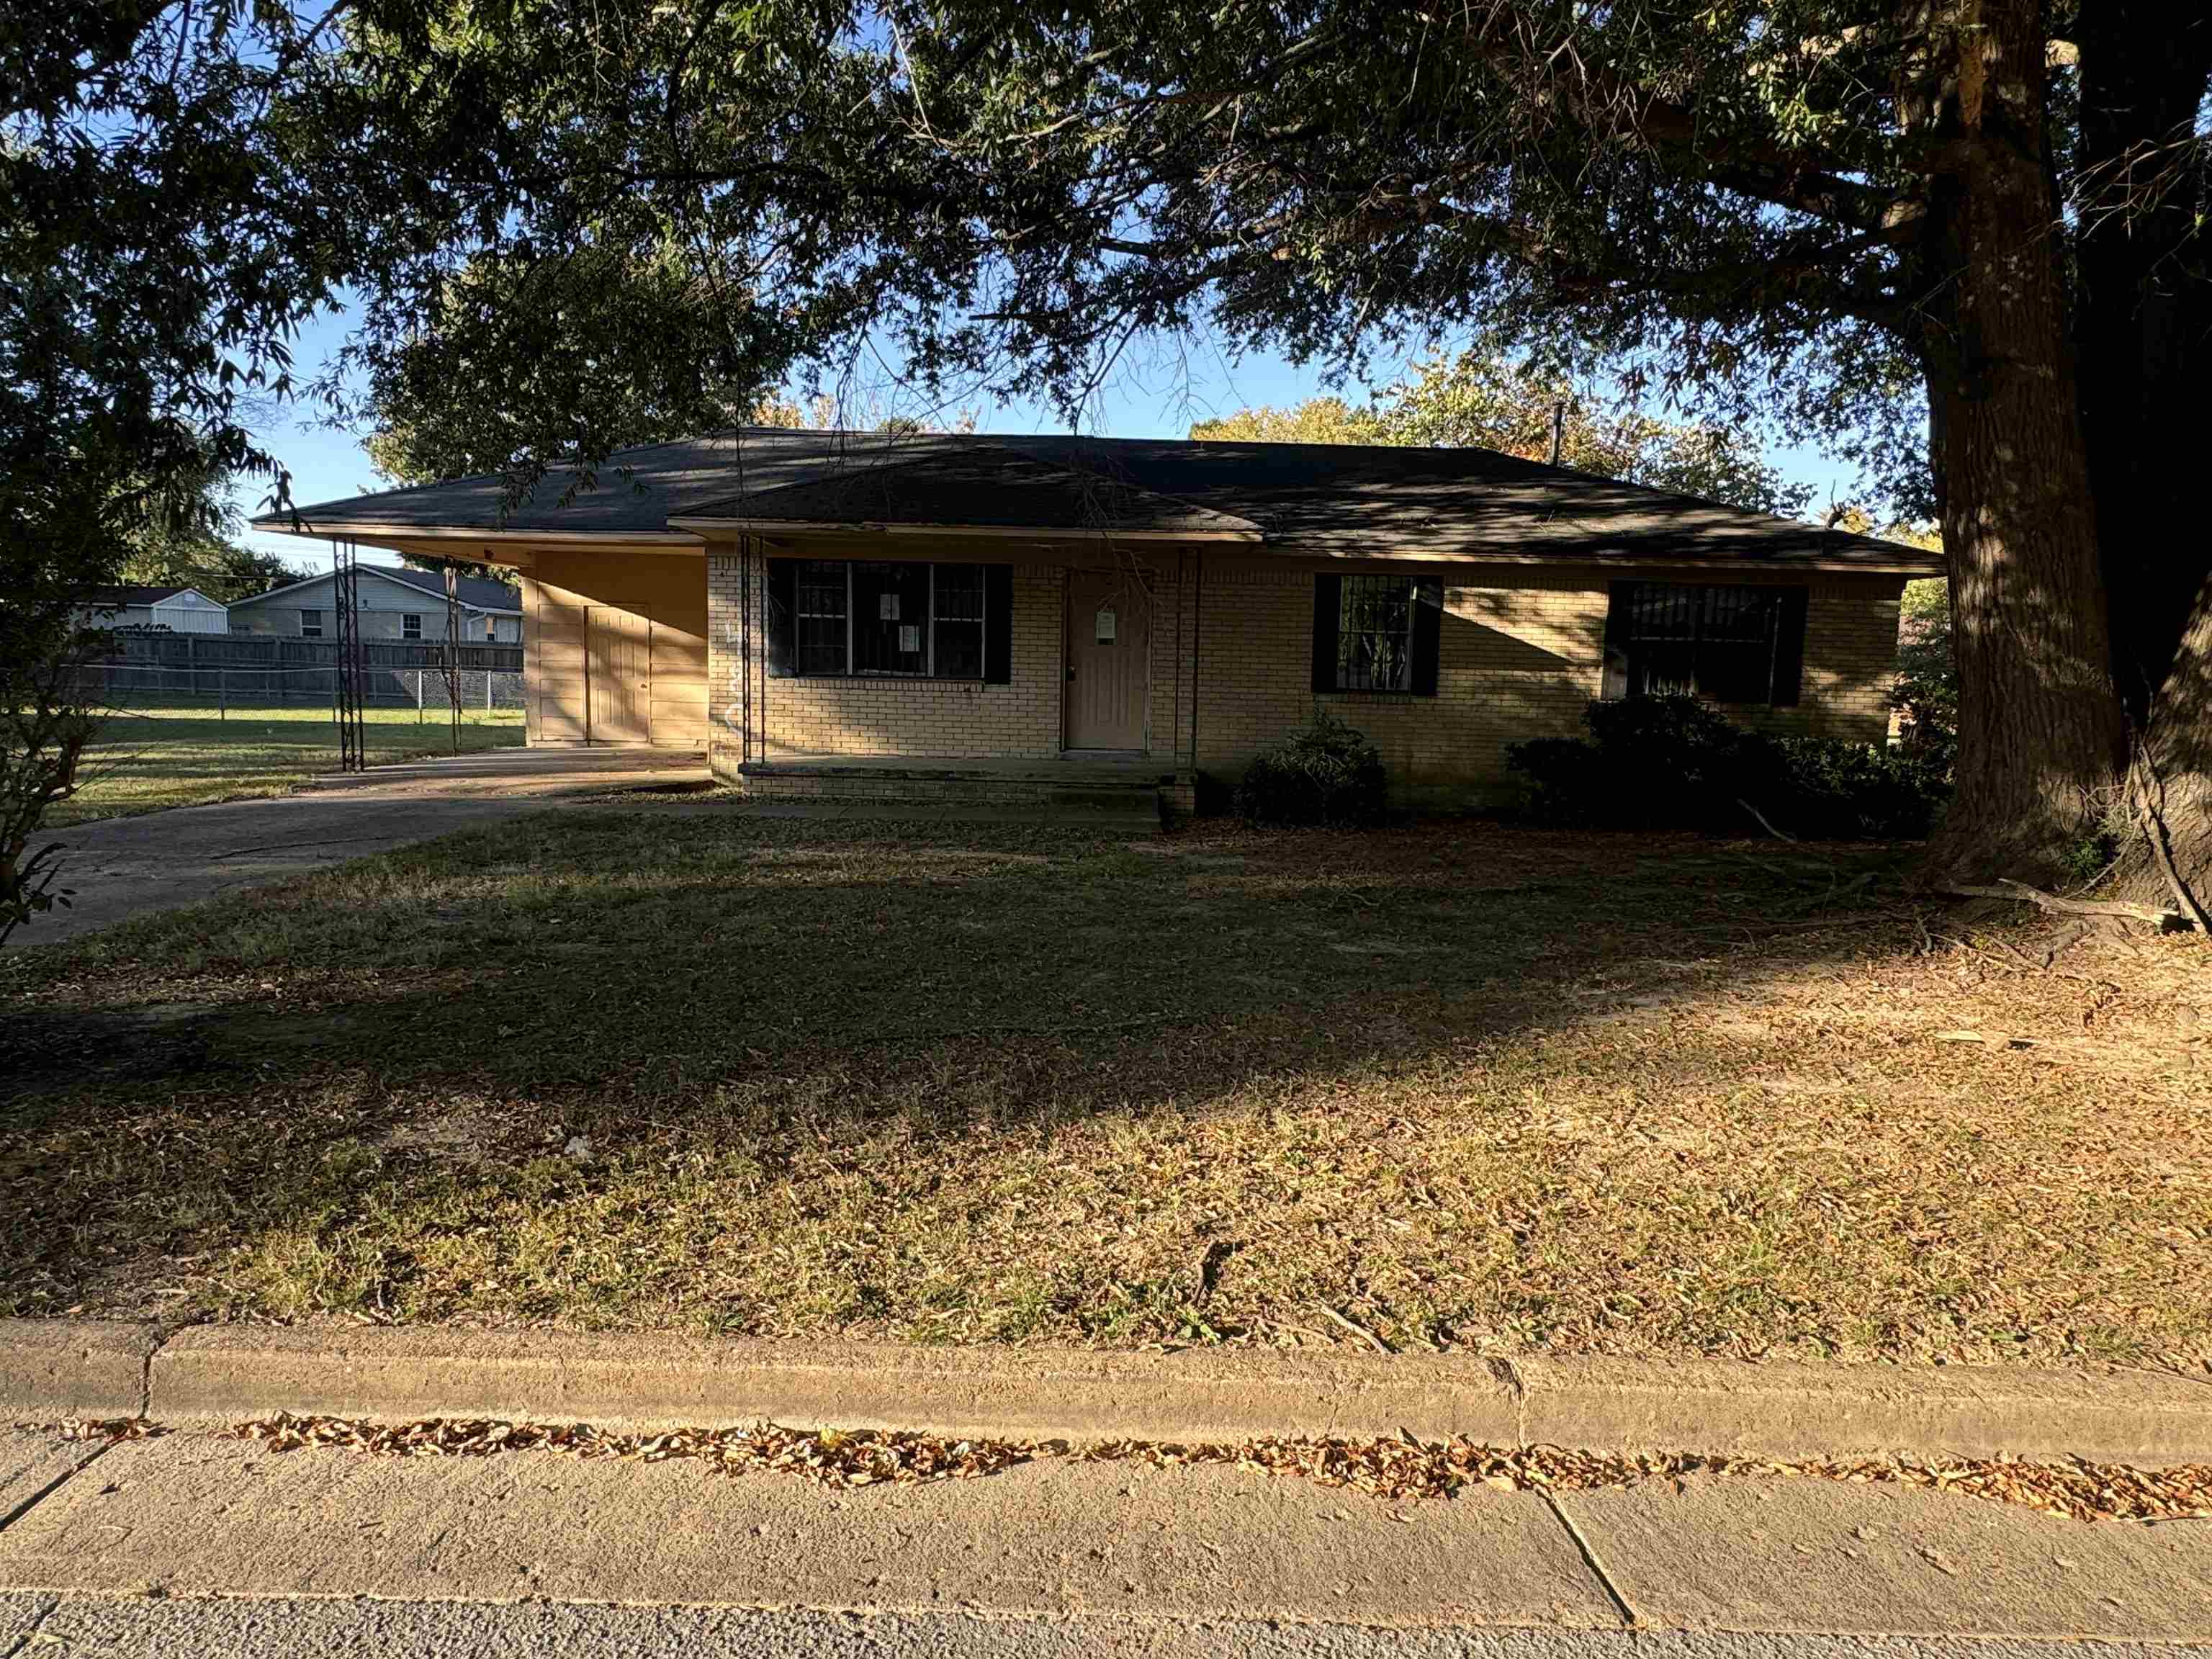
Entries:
{"x":453,"y":653}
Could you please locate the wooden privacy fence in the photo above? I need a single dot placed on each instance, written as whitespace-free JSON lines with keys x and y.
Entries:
{"x":216,"y":671}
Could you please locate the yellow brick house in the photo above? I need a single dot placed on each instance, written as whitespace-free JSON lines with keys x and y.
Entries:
{"x":873,"y":616}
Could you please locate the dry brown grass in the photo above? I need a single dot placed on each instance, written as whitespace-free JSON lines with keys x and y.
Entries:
{"x":1455,"y":1086}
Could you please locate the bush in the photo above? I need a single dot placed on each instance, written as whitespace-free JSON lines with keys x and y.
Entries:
{"x":1676,"y":763}
{"x":1326,"y":774}
{"x":1862,"y":791}
{"x":1926,"y":689}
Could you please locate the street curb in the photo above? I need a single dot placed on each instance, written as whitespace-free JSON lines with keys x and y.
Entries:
{"x":651,"y":1382}
{"x":645,"y":1381}
{"x":73,"y":1368}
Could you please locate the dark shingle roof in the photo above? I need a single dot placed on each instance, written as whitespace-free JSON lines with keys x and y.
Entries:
{"x":1335,"y":499}
{"x":977,"y":484}
{"x":633,"y":490}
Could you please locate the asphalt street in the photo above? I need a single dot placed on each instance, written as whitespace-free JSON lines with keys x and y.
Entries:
{"x":50,"y":1627}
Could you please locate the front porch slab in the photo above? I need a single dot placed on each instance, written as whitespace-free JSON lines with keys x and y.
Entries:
{"x":1135,"y":789}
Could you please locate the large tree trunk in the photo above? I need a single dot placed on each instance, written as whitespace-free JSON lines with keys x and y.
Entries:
{"x":2040,"y":733}
{"x":2170,"y":780}
{"x":2143,"y":322}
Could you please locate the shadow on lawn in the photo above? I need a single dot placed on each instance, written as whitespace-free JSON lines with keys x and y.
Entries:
{"x":639,"y":962}
{"x":1464,"y":1082}
{"x":316,"y":1096}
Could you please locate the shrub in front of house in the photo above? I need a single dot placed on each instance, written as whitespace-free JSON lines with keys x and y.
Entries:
{"x":1326,"y":774}
{"x":1864,"y":791}
{"x":1677,"y":764}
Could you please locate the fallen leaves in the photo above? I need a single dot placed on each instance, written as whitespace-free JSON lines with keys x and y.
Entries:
{"x":108,"y":1429}
{"x":832,"y":1457}
{"x":1395,"y":1470}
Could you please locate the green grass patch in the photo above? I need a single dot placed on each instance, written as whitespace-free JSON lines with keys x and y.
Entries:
{"x":145,"y":761}
{"x":1463,"y":1087}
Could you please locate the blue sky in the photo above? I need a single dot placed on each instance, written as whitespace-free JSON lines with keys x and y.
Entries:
{"x":1154,"y":397}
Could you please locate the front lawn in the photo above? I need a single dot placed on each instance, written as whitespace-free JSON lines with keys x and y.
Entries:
{"x":149,"y":759}
{"x":1452,"y":1086}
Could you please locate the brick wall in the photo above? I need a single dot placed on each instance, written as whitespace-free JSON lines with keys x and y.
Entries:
{"x":872,"y":715}
{"x":1520,"y":655}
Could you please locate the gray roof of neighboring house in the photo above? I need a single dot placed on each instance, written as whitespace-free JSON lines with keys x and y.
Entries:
{"x":476,"y":593}
{"x":135,"y":593}
{"x":1335,"y":499}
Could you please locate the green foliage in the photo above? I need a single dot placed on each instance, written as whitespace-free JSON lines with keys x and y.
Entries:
{"x":1326,"y":774}
{"x":2089,"y":858}
{"x":1674,"y":763}
{"x":1483,"y":399}
{"x":1487,"y":399}
{"x":218,"y":566}
{"x":577,"y":369}
{"x":1316,"y":421}
{"x":154,"y":260}
{"x":1926,"y":691}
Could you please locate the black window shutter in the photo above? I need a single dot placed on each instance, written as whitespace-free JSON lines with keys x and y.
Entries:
{"x":1789,"y":649}
{"x":782,"y":614}
{"x":998,"y":624}
{"x":1622,"y":595}
{"x":1428,"y":629}
{"x":1328,"y":607}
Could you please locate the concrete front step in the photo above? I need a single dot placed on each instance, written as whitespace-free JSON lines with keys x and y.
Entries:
{"x":1116,"y":790}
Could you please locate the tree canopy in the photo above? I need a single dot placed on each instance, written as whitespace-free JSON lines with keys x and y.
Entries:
{"x":1484,"y":399}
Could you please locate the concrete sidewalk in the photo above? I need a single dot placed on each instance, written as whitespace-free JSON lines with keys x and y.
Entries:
{"x":1172,"y":1549}
{"x":131,"y":866}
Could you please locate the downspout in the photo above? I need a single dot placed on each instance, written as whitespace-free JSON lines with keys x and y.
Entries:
{"x":1197,"y":634}
{"x":1183,"y":580}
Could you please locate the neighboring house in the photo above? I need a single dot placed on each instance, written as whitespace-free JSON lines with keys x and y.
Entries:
{"x":848,"y":613}
{"x":176,"y":610}
{"x":394,"y":604}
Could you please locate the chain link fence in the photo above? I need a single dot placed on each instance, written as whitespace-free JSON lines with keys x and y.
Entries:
{"x":224,"y":672}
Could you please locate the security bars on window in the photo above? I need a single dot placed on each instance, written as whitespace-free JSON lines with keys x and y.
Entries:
{"x":885,"y":617}
{"x":1375,"y":635}
{"x":1706,"y":641}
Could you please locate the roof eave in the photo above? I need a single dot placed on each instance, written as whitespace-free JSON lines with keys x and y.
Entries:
{"x":356,"y":529}
{"x":819,"y":528}
{"x":1365,"y":548}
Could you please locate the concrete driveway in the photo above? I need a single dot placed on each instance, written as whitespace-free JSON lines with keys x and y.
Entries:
{"x":131,"y":866}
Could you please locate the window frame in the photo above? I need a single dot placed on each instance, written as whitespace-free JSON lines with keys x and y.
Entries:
{"x":410,"y":626}
{"x":1425,"y":603}
{"x":311,"y":623}
{"x":981,"y":621}
{"x":1350,"y":590}
{"x":1695,"y":626}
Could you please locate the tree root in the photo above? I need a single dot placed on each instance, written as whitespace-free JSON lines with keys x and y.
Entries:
{"x":2051,"y":904}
